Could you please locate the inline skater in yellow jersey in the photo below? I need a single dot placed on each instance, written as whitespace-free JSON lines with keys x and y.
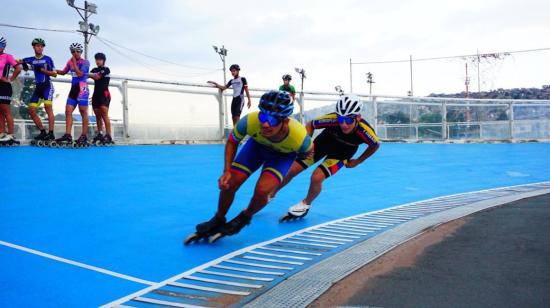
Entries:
{"x":275,"y":142}
{"x":344,"y":130}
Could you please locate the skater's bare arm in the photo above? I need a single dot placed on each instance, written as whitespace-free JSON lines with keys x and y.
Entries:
{"x":230,"y":151}
{"x":217,"y":85}
{"x":371,"y":149}
{"x":310,"y":129}
{"x":248,"y":96}
{"x":16,"y":72}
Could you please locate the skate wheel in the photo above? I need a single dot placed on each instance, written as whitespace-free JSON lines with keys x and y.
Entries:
{"x":40,"y":143}
{"x":192,"y":238}
{"x":213,"y":238}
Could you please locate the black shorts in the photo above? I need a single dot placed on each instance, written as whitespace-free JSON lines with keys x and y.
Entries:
{"x":237,"y":106}
{"x":101,"y":99}
{"x":5,"y":93}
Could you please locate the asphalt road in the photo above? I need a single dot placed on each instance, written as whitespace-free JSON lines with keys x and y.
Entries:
{"x":498,"y":258}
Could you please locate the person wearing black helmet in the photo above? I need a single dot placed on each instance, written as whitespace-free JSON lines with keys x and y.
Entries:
{"x":286,"y":86}
{"x":275,"y":141}
{"x":240,"y":87}
{"x":101,"y":98}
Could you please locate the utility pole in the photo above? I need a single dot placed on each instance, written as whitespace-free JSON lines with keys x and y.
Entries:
{"x":467,"y":82}
{"x":370,"y":82}
{"x":478,"y":80}
{"x":411,"y":93}
{"x":302,"y":73}
{"x":350,"y":76}
{"x":222,"y":52}
{"x":87,"y":29}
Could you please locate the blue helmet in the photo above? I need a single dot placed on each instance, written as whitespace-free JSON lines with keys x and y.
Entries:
{"x":3,"y":42}
{"x":277,"y":104}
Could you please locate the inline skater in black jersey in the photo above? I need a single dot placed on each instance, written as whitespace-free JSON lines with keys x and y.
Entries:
{"x":101,"y":99}
{"x":240,"y":87}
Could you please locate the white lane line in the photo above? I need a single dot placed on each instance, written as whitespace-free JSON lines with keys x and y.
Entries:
{"x":75,"y":263}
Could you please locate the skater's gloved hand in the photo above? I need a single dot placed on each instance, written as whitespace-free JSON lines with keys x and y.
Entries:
{"x":223,"y":182}
{"x":352,"y":163}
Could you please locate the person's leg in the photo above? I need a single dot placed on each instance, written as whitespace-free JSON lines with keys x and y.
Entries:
{"x":85,"y":120}
{"x":228,"y":195}
{"x":9,"y":119}
{"x":34,"y":116}
{"x":6,"y":117}
{"x":248,"y":160}
{"x":265,"y":185}
{"x":236,"y":109}
{"x":48,"y":105}
{"x":51,"y":116}
{"x":106,"y":120}
{"x":2,"y":122}
{"x":297,"y":168}
{"x":98,"y":119}
{"x":328,"y":168}
{"x":69,"y":108}
{"x":274,"y":171}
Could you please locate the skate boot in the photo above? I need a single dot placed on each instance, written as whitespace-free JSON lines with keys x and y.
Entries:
{"x":66,"y":141}
{"x":98,"y":140}
{"x":205,"y":229}
{"x":39,"y":139}
{"x":82,"y":142}
{"x":297,"y":211}
{"x":108,"y":140}
{"x":8,"y":140}
{"x":232,"y":227}
{"x":49,"y":139}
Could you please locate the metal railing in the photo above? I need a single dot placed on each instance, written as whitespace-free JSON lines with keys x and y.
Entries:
{"x":200,"y":114}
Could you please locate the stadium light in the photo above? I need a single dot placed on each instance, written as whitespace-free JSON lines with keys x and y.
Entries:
{"x":87,"y":29}
{"x":222,"y":52}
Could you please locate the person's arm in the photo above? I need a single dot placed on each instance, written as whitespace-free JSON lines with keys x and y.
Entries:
{"x":77,"y":70}
{"x":309,"y":127}
{"x":248,"y":96}
{"x":369,"y":136}
{"x":238,"y":134}
{"x":16,"y":71}
{"x":230,"y":152}
{"x":217,"y":85}
{"x":45,"y":70}
{"x":371,"y":149}
{"x":66,"y":69}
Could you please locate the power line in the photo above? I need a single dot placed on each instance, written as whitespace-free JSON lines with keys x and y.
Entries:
{"x":37,"y":29}
{"x":149,"y":67}
{"x":454,"y":57}
{"x":117,"y":45}
{"x":156,"y":58}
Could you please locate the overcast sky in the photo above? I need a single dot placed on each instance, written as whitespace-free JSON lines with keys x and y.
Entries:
{"x":269,"y":38}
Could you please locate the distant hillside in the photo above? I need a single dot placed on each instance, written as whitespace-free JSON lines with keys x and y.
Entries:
{"x":516,"y":93}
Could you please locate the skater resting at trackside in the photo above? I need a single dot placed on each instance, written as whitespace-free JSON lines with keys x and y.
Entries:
{"x":275,"y":142}
{"x":344,"y":130}
{"x":6,"y":63}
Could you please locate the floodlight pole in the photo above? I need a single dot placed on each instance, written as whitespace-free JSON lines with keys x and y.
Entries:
{"x":222,"y":52}
{"x":302,"y":74}
{"x":85,"y":13}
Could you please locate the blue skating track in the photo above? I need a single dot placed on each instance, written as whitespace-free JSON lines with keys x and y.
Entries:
{"x":81,"y":228}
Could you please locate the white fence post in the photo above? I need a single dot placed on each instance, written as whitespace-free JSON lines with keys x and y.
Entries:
{"x":445,"y":128}
{"x":222,"y":107}
{"x":125,"y":118}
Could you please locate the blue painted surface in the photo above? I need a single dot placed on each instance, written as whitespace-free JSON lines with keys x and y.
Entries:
{"x":127,"y":208}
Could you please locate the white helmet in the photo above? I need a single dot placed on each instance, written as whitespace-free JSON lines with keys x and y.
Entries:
{"x":76,"y":46}
{"x":349,"y":105}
